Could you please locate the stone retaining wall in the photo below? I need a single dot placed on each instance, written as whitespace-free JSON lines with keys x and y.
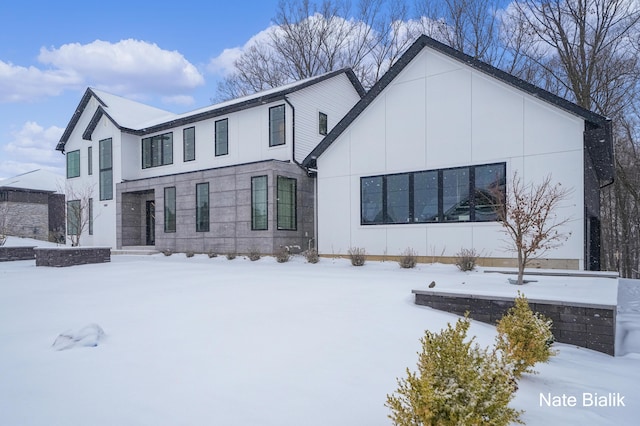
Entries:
{"x":8,"y":254}
{"x":70,"y":256}
{"x":581,"y":324}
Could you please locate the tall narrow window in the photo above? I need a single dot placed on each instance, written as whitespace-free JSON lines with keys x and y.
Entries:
{"x":90,"y":216}
{"x":90,"y":160}
{"x":170,"y":209}
{"x":371,"y":196}
{"x":489,"y":189}
{"x":202,"y":207}
{"x":74,"y":217}
{"x":189,"y":144}
{"x":106,"y":169}
{"x":322,"y":123}
{"x":157,"y":150}
{"x":286,"y":208}
{"x":455,"y":195}
{"x":259,"y":203}
{"x":73,"y":164}
{"x":222,"y":137}
{"x":425,"y":196}
{"x":276,"y":126}
{"x":397,"y":199}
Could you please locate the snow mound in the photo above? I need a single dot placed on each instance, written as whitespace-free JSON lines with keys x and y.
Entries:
{"x":90,"y":335}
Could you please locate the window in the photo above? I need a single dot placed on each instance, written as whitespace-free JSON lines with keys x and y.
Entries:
{"x":222,"y":137}
{"x":106,"y":169}
{"x":189,"y":144}
{"x":170,"y":209}
{"x":202,"y":207}
{"x":459,"y":194}
{"x":90,"y":216}
{"x":90,"y":160}
{"x":157,"y":150}
{"x":74,"y":217}
{"x":259,"y":203}
{"x":73,"y":164}
{"x":322,"y":123}
{"x":286,"y":208}
{"x":276,"y":126}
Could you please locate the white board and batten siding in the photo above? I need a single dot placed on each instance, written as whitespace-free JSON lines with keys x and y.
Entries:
{"x":439,"y":113}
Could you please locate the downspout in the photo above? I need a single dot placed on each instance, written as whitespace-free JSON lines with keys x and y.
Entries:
{"x":315,"y":181}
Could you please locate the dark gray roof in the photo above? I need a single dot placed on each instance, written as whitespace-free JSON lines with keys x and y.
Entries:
{"x":199,"y":115}
{"x":603,"y":162}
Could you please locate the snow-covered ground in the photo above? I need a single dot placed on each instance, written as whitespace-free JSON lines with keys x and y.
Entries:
{"x":200,"y":341}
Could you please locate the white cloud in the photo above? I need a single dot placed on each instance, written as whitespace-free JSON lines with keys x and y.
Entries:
{"x":126,"y":67}
{"x":183,"y":100}
{"x":129,"y":67}
{"x":19,"y":84}
{"x":223,"y":63}
{"x":32,"y":147}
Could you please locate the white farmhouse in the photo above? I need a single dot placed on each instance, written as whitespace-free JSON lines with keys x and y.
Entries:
{"x":225,"y":178}
{"x":412,"y":164}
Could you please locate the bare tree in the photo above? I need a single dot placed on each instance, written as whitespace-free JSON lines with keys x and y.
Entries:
{"x":309,"y":39}
{"x":529,"y":218}
{"x":79,"y":211}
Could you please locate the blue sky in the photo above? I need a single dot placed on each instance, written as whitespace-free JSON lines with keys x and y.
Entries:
{"x":169,"y":55}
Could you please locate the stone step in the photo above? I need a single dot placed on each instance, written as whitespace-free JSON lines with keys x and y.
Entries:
{"x":135,"y":251}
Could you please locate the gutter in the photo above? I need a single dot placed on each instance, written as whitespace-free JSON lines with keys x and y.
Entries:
{"x":293,"y":135}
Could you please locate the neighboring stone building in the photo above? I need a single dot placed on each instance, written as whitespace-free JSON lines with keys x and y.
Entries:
{"x":32,"y":206}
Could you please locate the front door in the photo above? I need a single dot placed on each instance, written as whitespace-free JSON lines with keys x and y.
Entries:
{"x":151,"y":223}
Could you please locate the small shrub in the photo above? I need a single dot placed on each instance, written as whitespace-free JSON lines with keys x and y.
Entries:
{"x":358,"y":256}
{"x":408,"y":259}
{"x":212,"y":254}
{"x":283,"y":255}
{"x":524,"y":337}
{"x":312,"y":256}
{"x":254,"y":254}
{"x":466,"y":259}
{"x":457,"y":383}
{"x":167,"y":252}
{"x":230,"y":256}
{"x":190,"y":253}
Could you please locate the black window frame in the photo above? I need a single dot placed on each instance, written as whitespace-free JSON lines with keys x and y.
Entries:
{"x":90,"y":208}
{"x":90,"y":160}
{"x":74,"y":217}
{"x":280,"y":205}
{"x":73,"y":159}
{"x":323,"y":123}
{"x":256,"y":224}
{"x":218,"y":144}
{"x":203,"y":214}
{"x":105,"y":170}
{"x":170,"y":217}
{"x":275,"y":121}
{"x":153,"y":143}
{"x":380,"y":215}
{"x":191,"y":150}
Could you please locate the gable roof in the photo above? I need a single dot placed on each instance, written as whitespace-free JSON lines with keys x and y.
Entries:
{"x":139,"y":119}
{"x":36,"y":180}
{"x":602,"y":140}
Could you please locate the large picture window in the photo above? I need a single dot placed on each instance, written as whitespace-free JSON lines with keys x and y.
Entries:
{"x":276,"y":126}
{"x":157,"y":150}
{"x":286,"y":204}
{"x":170,"y":209}
{"x":105,"y":161}
{"x":202,"y":207}
{"x":459,"y":194}
{"x":259,"y":203}
{"x":73,"y":164}
{"x":189,"y":144}
{"x":222,"y":137}
{"x":74,"y":217}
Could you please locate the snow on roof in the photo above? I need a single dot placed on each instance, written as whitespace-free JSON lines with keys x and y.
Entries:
{"x":37,"y":180}
{"x":130,"y":114}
